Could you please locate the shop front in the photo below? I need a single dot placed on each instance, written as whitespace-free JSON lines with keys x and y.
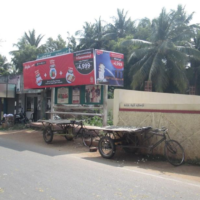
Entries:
{"x":8,"y":86}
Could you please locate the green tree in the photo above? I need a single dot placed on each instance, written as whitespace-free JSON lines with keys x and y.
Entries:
{"x":71,"y":42}
{"x":193,"y":67}
{"x":143,"y":29}
{"x":53,"y":45}
{"x":27,"y":49}
{"x":92,"y":35}
{"x":121,"y":26}
{"x":98,"y":39}
{"x":32,"y":39}
{"x":163,"y":59}
{"x":85,"y":36}
{"x":4,"y":66}
{"x":28,"y":53}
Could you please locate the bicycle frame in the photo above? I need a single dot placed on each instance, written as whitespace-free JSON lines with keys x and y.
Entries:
{"x":125,"y":136}
{"x":78,"y":133}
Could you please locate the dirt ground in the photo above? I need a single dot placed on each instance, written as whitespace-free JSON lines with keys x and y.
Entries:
{"x":60,"y":146}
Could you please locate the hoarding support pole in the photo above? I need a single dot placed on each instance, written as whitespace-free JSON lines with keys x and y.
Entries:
{"x":52,"y":100}
{"x":105,"y":107}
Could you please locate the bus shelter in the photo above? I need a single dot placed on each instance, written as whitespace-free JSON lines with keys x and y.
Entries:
{"x":78,"y":78}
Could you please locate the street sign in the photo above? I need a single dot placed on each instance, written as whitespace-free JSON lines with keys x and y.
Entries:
{"x":55,"y":53}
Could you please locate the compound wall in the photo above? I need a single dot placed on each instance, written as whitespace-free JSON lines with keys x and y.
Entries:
{"x":179,"y":113}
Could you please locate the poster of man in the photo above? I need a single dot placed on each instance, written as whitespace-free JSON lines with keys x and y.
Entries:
{"x":92,"y":94}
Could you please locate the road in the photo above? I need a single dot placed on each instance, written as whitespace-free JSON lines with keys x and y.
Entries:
{"x":31,"y":169}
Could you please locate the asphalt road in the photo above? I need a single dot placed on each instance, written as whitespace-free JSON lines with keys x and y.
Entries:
{"x":31,"y":169}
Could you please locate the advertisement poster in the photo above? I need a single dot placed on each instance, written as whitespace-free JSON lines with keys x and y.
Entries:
{"x":109,"y":68}
{"x":76,"y":95}
{"x":63,"y":95}
{"x":65,"y":70}
{"x":92,"y":94}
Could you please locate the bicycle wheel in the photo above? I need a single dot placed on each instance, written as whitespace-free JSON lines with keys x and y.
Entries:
{"x":48,"y":135}
{"x":86,"y":138}
{"x":174,"y":152}
{"x":106,"y":147}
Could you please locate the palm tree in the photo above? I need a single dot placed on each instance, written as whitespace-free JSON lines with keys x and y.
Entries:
{"x":121,"y":26}
{"x":98,"y":39}
{"x":143,"y":29}
{"x":27,"y":49}
{"x":32,"y":39}
{"x":53,"y":45}
{"x":92,"y":35}
{"x":163,"y":59}
{"x":4,"y":65}
{"x":85,"y":40}
{"x":193,"y":67}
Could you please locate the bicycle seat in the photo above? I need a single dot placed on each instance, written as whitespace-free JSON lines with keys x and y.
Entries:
{"x":146,"y":128}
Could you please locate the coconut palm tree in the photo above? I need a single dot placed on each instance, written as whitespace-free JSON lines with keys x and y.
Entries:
{"x":53,"y":45}
{"x":121,"y":26}
{"x":85,"y":36}
{"x":27,"y":49}
{"x":4,"y":65}
{"x":163,"y":59}
{"x":32,"y":39}
{"x":98,"y":39}
{"x":92,"y":35}
{"x":193,"y":67}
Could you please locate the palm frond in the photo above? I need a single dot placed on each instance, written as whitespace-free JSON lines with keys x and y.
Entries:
{"x":141,"y":43}
{"x":190,"y":52}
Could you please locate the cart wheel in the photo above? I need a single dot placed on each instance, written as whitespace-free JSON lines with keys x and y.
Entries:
{"x":106,"y":147}
{"x":131,"y":140}
{"x":48,"y":135}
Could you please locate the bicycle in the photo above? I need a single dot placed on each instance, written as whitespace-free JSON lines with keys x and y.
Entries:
{"x":130,"y":141}
{"x":82,"y":132}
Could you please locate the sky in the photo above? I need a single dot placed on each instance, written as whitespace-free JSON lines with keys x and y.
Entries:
{"x":53,"y":17}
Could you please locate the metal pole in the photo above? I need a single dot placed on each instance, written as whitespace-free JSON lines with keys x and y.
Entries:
{"x":105,"y":104}
{"x":52,"y":100}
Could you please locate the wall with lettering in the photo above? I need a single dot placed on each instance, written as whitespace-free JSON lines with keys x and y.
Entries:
{"x":179,"y":113}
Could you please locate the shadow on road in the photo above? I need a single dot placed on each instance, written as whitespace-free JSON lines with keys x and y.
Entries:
{"x":30,"y":140}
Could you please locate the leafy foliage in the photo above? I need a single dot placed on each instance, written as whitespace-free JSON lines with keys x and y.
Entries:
{"x":161,"y":60}
{"x":4,"y":66}
{"x":164,"y":50}
{"x":53,"y":45}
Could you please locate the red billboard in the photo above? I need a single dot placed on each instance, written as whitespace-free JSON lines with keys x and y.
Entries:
{"x":65,"y":70}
